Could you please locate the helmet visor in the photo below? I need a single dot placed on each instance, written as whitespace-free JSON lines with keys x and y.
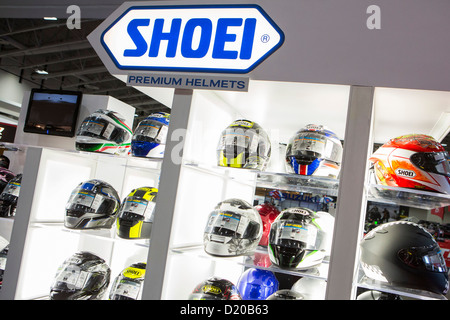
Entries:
{"x":427,"y":258}
{"x":434,"y":162}
{"x":292,"y":234}
{"x":237,"y":140}
{"x":70,"y":277}
{"x":312,"y":145}
{"x":151,"y":131}
{"x":125,"y":289}
{"x":136,"y":208}
{"x":227,"y":224}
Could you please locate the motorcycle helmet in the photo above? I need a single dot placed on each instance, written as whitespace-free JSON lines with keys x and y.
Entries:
{"x":5,"y":176}
{"x":104,"y":131}
{"x":285,"y":294}
{"x":135,"y":217}
{"x":83,"y":276}
{"x":215,"y":289}
{"x":268,"y":213}
{"x":257,"y":284}
{"x":128,"y":284}
{"x":92,"y":204}
{"x":314,"y":151}
{"x":149,"y":137}
{"x":244,"y":144}
{"x":299,"y":239}
{"x":378,"y":295}
{"x":310,"y":288}
{"x":414,"y":161}
{"x":234,"y":228}
{"x":9,"y":197}
{"x":404,"y":254}
{"x":4,"y":161}
{"x":4,"y":248}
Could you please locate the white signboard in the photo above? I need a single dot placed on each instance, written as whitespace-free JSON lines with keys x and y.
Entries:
{"x":192,"y":38}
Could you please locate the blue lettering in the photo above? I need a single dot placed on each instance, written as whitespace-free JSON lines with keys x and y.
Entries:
{"x":205,"y":38}
{"x":222,"y":37}
{"x":172,"y":37}
{"x":247,"y":39}
{"x":135,"y":35}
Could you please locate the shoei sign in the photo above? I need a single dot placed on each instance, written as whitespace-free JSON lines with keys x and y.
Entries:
{"x":191,"y":38}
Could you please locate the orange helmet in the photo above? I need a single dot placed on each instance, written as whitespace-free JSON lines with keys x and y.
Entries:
{"x":413,"y":161}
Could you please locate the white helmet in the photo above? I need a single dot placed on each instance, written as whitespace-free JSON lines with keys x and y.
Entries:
{"x":300,"y":238}
{"x":234,"y":228}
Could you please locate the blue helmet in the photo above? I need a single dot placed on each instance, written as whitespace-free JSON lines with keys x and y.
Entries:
{"x":149,"y":138}
{"x":257,"y":284}
{"x":314,"y":150}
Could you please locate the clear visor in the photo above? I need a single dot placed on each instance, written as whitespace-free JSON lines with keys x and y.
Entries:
{"x":243,"y":139}
{"x":435,"y":162}
{"x":12,"y":188}
{"x":126,"y":288}
{"x":84,"y":195}
{"x":151,"y":130}
{"x":226,"y":223}
{"x":99,"y":126}
{"x":426,"y":258}
{"x":316,"y":144}
{"x":292,"y":234}
{"x":70,"y":277}
{"x":136,"y":208}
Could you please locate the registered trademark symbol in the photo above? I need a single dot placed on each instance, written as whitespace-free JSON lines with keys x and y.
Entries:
{"x":265,"y":38}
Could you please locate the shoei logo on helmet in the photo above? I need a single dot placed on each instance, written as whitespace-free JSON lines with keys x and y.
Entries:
{"x":199,"y":38}
{"x":211,"y":289}
{"x":405,"y":173}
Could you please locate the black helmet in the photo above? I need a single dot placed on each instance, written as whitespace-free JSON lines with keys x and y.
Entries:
{"x":404,"y":254}
{"x":135,"y":218}
{"x":4,"y":248}
{"x":83,"y":276}
{"x":128,"y":284}
{"x":244,"y":144}
{"x":286,"y":294}
{"x":9,"y":196}
{"x":215,"y":289}
{"x":92,"y":204}
{"x":5,"y":176}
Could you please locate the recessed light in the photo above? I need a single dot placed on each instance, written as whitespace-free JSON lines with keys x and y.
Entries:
{"x":38,"y":71}
{"x":50,"y":18}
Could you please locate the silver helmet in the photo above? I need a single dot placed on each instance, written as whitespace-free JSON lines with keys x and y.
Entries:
{"x":234,"y":228}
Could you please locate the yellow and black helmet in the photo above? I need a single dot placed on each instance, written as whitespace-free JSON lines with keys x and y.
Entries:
{"x":128,"y":284}
{"x":244,"y":144}
{"x":135,"y":217}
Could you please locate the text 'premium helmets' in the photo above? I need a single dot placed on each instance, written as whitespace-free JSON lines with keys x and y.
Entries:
{"x":104,"y":131}
{"x":92,"y":204}
{"x":244,"y":144}
{"x":314,"y":151}
{"x":233,"y":228}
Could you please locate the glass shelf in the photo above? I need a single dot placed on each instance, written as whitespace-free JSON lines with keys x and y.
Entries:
{"x":407,"y":197}
{"x":294,"y":182}
{"x":368,"y":283}
{"x":260,"y":259}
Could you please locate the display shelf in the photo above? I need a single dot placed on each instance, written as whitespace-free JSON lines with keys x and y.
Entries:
{"x":407,"y":197}
{"x":259,"y":259}
{"x":295,"y":182}
{"x":368,"y":283}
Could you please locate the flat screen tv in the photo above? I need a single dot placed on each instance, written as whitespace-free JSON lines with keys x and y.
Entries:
{"x":53,"y":112}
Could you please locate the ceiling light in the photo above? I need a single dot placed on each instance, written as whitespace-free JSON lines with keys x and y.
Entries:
{"x":38,"y":71}
{"x":50,"y":18}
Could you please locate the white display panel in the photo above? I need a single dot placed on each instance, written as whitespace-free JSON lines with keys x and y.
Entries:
{"x":49,"y":243}
{"x":282,"y":109}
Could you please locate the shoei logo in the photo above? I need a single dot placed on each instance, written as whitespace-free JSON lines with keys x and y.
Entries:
{"x":197,"y":38}
{"x":405,"y":173}
{"x":211,"y":289}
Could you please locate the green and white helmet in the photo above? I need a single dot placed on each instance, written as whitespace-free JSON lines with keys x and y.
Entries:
{"x":104,"y":131}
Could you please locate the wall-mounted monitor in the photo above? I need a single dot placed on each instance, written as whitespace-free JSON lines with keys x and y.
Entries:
{"x":53,"y":112}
